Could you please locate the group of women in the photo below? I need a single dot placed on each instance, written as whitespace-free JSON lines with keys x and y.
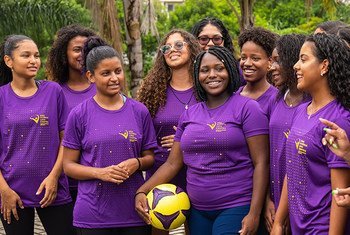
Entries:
{"x":242,"y":137}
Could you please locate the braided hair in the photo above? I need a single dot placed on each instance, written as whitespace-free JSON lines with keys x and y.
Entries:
{"x":10,"y":44}
{"x":57,"y":61}
{"x":333,"y":49}
{"x":198,"y":27}
{"x":230,"y":63}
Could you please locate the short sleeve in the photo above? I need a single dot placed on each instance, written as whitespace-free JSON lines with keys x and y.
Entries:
{"x":181,"y":126}
{"x":73,"y":131}
{"x":62,"y":109}
{"x":254,"y":120}
{"x":149,"y":141}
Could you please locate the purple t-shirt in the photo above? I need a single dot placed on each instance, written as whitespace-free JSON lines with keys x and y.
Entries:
{"x":213,"y":141}
{"x":280,"y":123}
{"x":165,"y":119}
{"x":308,"y":168}
{"x":76,"y":97}
{"x":266,"y":100}
{"x":73,"y":99}
{"x":107,"y":138}
{"x":30,"y":128}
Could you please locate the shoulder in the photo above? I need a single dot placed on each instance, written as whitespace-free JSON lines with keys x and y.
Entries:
{"x":49,"y":86}
{"x":136,"y":105}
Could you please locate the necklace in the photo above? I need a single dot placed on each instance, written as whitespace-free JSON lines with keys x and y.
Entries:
{"x":292,"y":101}
{"x":186,"y":104}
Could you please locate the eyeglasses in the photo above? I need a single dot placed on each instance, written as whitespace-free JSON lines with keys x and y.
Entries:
{"x":204,"y":40}
{"x":178,"y":45}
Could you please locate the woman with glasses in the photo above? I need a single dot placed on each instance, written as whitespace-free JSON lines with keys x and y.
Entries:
{"x":256,"y":46}
{"x":167,"y":91}
{"x":223,"y":141}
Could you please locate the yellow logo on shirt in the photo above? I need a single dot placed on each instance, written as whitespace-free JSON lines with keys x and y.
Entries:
{"x":40,"y":119}
{"x":286,"y":133}
{"x":300,"y":146}
{"x":217,"y":126}
{"x":129,"y":134}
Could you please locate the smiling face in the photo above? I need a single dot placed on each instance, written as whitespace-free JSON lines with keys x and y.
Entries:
{"x":254,"y":62}
{"x":25,"y":60}
{"x":213,"y":76}
{"x":277,"y":79}
{"x":108,"y":77}
{"x":308,"y":68}
{"x":177,"y":58}
{"x":74,"y":51}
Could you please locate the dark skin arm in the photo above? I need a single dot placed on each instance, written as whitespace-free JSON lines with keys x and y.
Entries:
{"x":259,"y":151}
{"x":164,"y":174}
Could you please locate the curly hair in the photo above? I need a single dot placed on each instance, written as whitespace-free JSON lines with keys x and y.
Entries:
{"x":331,"y":26}
{"x":152,"y":92}
{"x":288,"y":49}
{"x":333,"y":49}
{"x":57,"y":61}
{"x":224,"y":55}
{"x":198,"y":27}
{"x":9,"y":44}
{"x":260,"y":36}
{"x":344,"y":33}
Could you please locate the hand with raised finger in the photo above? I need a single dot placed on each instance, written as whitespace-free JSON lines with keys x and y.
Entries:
{"x":269,"y":214}
{"x":130,"y":165}
{"x":342,"y":197}
{"x":113,"y":174}
{"x":50,"y":184}
{"x":141,"y":206}
{"x":9,"y":202}
{"x":336,"y":139}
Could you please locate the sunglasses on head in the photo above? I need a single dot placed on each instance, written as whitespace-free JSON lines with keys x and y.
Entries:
{"x":204,"y":40}
{"x":178,"y":45}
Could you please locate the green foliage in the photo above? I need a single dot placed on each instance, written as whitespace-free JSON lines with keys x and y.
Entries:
{"x":40,"y":19}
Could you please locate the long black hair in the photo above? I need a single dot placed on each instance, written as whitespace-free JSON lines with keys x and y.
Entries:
{"x":224,"y":55}
{"x":333,"y":49}
{"x":6,"y":48}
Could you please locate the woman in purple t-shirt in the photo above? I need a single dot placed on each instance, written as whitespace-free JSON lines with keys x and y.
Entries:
{"x":224,"y":143}
{"x":64,"y":67}
{"x":312,"y":170}
{"x":109,"y":141}
{"x":32,"y":119}
{"x":256,"y":46}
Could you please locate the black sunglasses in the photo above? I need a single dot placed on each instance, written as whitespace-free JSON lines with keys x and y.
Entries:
{"x":178,"y":45}
{"x":204,"y":40}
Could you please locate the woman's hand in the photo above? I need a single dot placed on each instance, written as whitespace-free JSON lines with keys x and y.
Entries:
{"x":269,"y":214}
{"x":141,"y":206}
{"x":168,"y":141}
{"x":250,"y":224}
{"x":114,"y":174}
{"x":277,"y":229}
{"x":130,"y":165}
{"x":342,"y":197}
{"x":50,"y":186}
{"x":9,"y":202}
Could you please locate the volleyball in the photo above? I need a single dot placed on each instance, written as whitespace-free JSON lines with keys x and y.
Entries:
{"x":168,"y":206}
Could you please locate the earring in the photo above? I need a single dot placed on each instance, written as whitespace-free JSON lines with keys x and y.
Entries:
{"x":322,"y":74}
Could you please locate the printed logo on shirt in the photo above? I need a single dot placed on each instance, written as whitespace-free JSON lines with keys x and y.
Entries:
{"x":217,"y":126}
{"x":40,"y":119}
{"x":300,"y":146}
{"x":129,"y":134}
{"x":286,"y":133}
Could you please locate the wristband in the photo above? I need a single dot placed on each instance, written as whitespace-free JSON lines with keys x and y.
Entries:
{"x":139,"y":162}
{"x":139,"y":193}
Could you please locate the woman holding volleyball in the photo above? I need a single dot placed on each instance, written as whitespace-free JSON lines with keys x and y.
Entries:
{"x":222,"y":138}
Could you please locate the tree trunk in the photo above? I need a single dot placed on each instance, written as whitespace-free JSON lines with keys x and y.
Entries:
{"x":247,"y":19}
{"x":132,"y":12}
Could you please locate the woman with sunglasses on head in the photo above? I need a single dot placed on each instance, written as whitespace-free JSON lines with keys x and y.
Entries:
{"x":256,"y":46}
{"x":223,"y":140}
{"x":64,"y":66}
{"x":167,"y":91}
{"x":109,"y":141}
{"x":33,"y":115}
{"x":312,"y":170}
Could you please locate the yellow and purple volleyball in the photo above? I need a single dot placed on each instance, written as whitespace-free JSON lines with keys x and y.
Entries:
{"x":168,"y":206}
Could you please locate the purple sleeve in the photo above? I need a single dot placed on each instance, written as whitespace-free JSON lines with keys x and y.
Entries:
{"x":181,"y":126}
{"x":254,"y":121}
{"x":149,"y":141}
{"x":62,"y":109}
{"x":333,"y":160}
{"x":72,"y":135}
